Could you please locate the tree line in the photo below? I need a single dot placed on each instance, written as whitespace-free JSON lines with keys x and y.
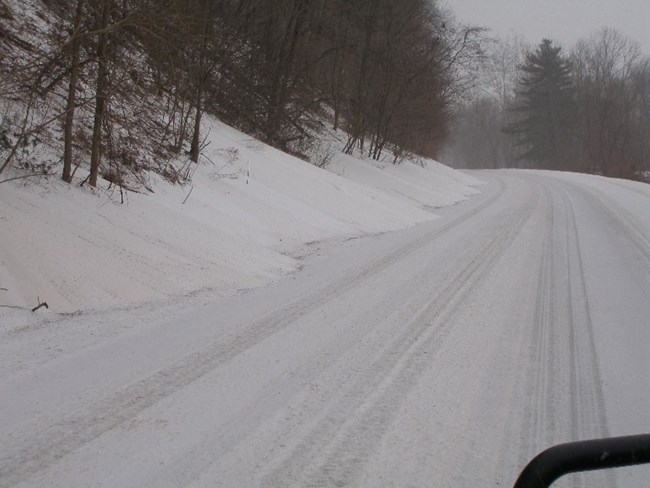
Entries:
{"x":127,"y":81}
{"x":587,"y":110}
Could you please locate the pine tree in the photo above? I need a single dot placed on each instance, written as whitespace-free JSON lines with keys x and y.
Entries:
{"x":545,"y":108}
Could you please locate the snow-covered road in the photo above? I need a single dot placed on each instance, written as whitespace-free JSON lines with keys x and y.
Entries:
{"x":445,"y":355}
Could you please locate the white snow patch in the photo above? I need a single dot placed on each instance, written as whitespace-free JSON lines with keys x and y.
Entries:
{"x":79,"y":249}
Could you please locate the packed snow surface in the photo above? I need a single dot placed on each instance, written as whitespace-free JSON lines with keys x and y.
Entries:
{"x":444,"y":353}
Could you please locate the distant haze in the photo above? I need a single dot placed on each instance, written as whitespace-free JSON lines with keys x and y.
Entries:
{"x":560,"y":20}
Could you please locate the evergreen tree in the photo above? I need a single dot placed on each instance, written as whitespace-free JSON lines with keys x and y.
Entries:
{"x":545,"y":108}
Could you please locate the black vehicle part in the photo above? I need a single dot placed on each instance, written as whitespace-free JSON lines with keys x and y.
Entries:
{"x":573,"y":457}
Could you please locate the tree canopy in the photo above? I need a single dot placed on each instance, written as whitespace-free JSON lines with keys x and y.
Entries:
{"x":135,"y":77}
{"x":545,"y":108}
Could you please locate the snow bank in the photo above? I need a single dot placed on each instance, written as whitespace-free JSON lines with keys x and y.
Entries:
{"x":79,"y":249}
{"x":430,"y":185}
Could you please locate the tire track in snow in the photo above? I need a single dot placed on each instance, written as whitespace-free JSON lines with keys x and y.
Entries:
{"x":540,"y":366}
{"x":558,"y":394}
{"x":335,"y":450}
{"x":565,"y":397}
{"x":45,"y":447}
{"x":588,"y":414}
{"x":560,"y":321}
{"x":587,"y":380}
{"x":631,"y":188}
{"x":621,"y":219}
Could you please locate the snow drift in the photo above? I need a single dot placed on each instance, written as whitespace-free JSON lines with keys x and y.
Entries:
{"x":79,"y":250}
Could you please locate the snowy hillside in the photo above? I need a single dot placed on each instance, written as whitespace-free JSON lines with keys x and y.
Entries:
{"x":79,"y":250}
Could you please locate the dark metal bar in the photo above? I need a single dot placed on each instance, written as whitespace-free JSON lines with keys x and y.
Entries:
{"x":573,"y":457}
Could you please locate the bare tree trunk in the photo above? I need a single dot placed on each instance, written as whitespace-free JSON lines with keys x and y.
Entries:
{"x":337,"y":80}
{"x":282,"y":71}
{"x":200,"y":80}
{"x":72,"y":92}
{"x":359,"y":109}
{"x":100,"y":95}
{"x":196,"y":135}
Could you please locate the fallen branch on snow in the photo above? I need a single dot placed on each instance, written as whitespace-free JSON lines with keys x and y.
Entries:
{"x":40,"y":304}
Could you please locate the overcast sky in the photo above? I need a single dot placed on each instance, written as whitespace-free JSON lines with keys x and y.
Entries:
{"x":564,"y":21}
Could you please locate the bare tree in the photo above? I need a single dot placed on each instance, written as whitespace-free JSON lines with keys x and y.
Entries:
{"x":75,"y":48}
{"x":200,"y":78}
{"x":478,"y":139}
{"x":607,"y":65}
{"x":103,"y":15}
